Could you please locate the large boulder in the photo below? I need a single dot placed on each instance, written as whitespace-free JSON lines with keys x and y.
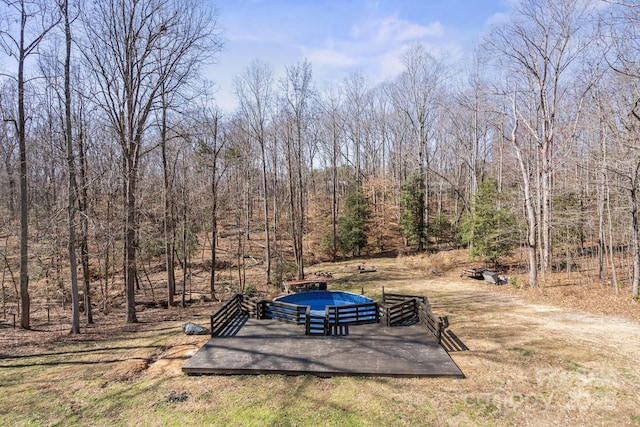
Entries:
{"x":193,"y":329}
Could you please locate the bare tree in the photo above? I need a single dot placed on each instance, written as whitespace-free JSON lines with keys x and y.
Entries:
{"x":169,"y":205}
{"x":297,"y":91}
{"x":520,"y":149}
{"x":35,"y":20}
{"x":8,"y":144}
{"x":211,"y":143}
{"x":333,"y":138}
{"x":253,"y":88}
{"x":137,"y":51}
{"x":83,"y":205}
{"x":416,"y":96}
{"x":538,"y":46}
{"x":217,"y":144}
{"x":71,"y":171}
{"x":356,"y":90}
{"x":624,"y":36}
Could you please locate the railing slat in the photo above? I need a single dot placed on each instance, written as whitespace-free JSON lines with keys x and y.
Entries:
{"x":225,"y":314}
{"x":413,"y":307}
{"x":286,"y":312}
{"x":353,"y":314}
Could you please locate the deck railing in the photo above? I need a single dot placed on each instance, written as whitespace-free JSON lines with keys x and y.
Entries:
{"x":225,"y":314}
{"x":397,"y":309}
{"x":402,"y":312}
{"x":407,"y":308}
{"x":435,"y":325}
{"x":353,"y":314}
{"x":396,"y":298}
{"x":287,"y":312}
{"x":251,"y":306}
{"x":316,"y":324}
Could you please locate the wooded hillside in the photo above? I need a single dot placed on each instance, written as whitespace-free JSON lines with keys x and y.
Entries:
{"x":115,"y":157}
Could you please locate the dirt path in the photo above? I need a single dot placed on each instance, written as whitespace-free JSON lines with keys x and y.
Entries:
{"x":540,"y":365}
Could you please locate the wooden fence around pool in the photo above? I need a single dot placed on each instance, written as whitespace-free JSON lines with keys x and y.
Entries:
{"x":405,"y":309}
{"x":396,"y":309}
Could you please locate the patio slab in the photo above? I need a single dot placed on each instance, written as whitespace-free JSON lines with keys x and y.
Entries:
{"x":256,"y":347}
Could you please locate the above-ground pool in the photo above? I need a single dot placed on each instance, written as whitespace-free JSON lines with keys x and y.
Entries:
{"x":319,"y":300}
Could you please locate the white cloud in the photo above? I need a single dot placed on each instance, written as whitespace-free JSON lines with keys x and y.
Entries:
{"x":340,"y":37}
{"x":390,"y":64}
{"x":394,"y":30}
{"x":497,"y":18}
{"x":374,"y":46}
{"x":330,"y":56}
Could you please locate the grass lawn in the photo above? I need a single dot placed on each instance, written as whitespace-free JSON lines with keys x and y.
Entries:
{"x":527,"y":364}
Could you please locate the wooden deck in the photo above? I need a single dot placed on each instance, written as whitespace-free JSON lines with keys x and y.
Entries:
{"x":253,"y":346}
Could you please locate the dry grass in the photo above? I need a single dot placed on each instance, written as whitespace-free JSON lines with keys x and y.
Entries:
{"x":436,"y":264}
{"x":536,"y":357}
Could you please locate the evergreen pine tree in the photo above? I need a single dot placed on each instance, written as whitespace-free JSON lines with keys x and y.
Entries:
{"x":412,"y":205}
{"x":352,"y":228}
{"x":488,"y":229}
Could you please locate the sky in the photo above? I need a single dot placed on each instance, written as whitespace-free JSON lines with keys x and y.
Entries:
{"x":343,"y":36}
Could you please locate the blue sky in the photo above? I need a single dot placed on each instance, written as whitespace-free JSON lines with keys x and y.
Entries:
{"x":342,"y":36}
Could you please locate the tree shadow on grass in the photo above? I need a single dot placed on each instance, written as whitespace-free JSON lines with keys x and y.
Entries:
{"x":66,"y":356}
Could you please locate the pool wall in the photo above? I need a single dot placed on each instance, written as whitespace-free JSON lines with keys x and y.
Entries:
{"x":312,"y":298}
{"x":337,"y":307}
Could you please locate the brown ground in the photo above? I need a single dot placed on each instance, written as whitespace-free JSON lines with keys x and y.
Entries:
{"x":564,"y":354}
{"x":560,"y":354}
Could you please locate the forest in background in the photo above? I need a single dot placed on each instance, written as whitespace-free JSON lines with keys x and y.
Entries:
{"x":115,"y":155}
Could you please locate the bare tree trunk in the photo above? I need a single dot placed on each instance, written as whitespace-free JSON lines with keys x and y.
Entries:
{"x":84,"y":225}
{"x":241,"y":236}
{"x":107,"y":259}
{"x":334,"y":196}
{"x":169,"y":232}
{"x":294,"y":196}
{"x":614,"y":275}
{"x":12,"y":181}
{"x":214,"y":234}
{"x":214,"y":216}
{"x":635,"y":237}
{"x":130,"y":238}
{"x":216,"y":150}
{"x":265,"y":212}
{"x":71,"y":170}
{"x":545,"y":226}
{"x":300,"y":205}
{"x":602,"y":248}
{"x":528,"y":201}
{"x":275,"y":223}
{"x":24,"y":197}
{"x":185,"y":250}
